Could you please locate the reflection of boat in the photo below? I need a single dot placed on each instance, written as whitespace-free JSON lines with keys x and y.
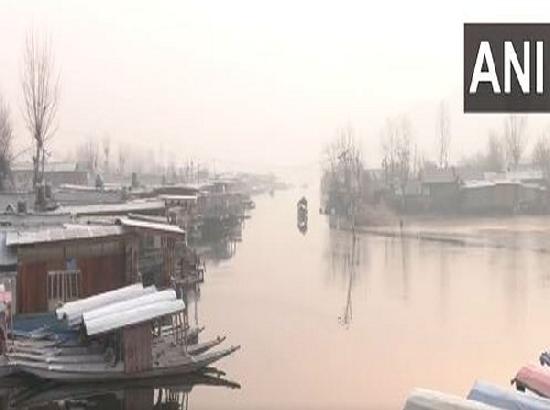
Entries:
{"x":41,"y":394}
{"x":302,"y":214}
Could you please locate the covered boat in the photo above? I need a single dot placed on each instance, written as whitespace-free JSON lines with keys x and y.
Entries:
{"x":534,"y":378}
{"x":423,"y":399}
{"x":302,"y":214}
{"x":142,"y":334}
{"x":506,"y":398}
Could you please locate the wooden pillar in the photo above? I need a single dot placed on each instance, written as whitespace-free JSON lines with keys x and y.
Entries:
{"x":132,"y":260}
{"x":169,"y":258}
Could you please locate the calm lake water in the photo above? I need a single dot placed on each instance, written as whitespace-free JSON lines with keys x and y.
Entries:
{"x":326,"y":323}
{"x":319,"y":331}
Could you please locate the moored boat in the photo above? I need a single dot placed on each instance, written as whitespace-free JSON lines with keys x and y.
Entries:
{"x":172,"y":365}
{"x":126,"y":334}
{"x":506,"y":398}
{"x":424,"y":399}
{"x":533,"y":378}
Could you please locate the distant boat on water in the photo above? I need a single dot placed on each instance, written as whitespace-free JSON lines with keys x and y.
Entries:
{"x":302,"y":215}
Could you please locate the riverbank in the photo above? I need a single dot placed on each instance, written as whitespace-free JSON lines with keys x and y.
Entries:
{"x":510,"y":232}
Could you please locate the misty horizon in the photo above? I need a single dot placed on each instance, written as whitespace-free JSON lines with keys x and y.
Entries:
{"x":248,"y":85}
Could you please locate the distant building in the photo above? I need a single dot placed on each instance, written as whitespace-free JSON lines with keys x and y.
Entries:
{"x":55,"y":174}
{"x":441,"y":186}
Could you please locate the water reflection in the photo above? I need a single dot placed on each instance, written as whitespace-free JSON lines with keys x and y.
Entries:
{"x":217,"y":246}
{"x":170,"y":393}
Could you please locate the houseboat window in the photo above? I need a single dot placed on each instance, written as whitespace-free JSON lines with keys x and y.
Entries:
{"x":63,"y":286}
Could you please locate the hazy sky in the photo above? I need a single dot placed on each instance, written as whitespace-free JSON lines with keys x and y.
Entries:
{"x":254,"y":83}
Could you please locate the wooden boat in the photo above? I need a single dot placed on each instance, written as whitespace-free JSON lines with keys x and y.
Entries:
{"x":170,"y":365}
{"x":6,"y":368}
{"x":39,"y":347}
{"x":301,"y":216}
{"x":423,"y":399}
{"x":96,"y":354}
{"x":505,"y":398}
{"x":139,"y":347}
{"x":534,"y":378}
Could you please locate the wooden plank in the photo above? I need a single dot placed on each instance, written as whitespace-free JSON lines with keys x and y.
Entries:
{"x":137,"y":342}
{"x":32,"y":288}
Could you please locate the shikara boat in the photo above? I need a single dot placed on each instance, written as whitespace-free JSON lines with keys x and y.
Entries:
{"x":506,"y":398}
{"x":96,"y":353}
{"x":126,"y":334}
{"x":533,"y":378}
{"x":423,"y":399}
{"x":170,"y":365}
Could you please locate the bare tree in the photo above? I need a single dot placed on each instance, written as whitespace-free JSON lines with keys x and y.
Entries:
{"x":121,"y":160}
{"x":515,"y":138}
{"x":40,"y":85}
{"x":389,"y":142}
{"x":106,"y":144}
{"x":541,"y":155}
{"x":6,"y":141}
{"x":403,"y":149}
{"x":397,"y":160}
{"x":343,"y":171}
{"x":88,"y":154}
{"x":443,"y":135}
{"x":494,"y":160}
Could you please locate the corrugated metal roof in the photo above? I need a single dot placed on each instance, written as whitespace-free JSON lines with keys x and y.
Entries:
{"x":62,"y":233}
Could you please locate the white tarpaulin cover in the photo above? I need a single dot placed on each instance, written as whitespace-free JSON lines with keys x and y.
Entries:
{"x":73,"y":311}
{"x":506,"y":398}
{"x":132,"y":316}
{"x":423,"y":399}
{"x":167,"y":295}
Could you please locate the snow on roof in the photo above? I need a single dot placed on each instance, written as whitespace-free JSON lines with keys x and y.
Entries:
{"x":48,"y":167}
{"x":73,"y":311}
{"x":439,"y":176}
{"x":168,"y":197}
{"x":155,"y":226}
{"x":474,"y":184}
{"x":66,"y":232}
{"x":88,"y":188}
{"x":113,"y":209}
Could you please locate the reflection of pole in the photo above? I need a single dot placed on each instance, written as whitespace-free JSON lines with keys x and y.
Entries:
{"x":350,"y":268}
